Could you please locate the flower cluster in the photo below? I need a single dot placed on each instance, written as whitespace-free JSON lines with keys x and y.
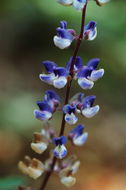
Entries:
{"x":79,"y":104}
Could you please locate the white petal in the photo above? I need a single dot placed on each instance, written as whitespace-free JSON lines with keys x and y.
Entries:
{"x":75,"y":167}
{"x":71,"y":119}
{"x":85,"y":83}
{"x":61,"y":43}
{"x":92,"y":35}
{"x":90,"y":112}
{"x":78,"y":5}
{"x":42,"y":115}
{"x":68,"y":181}
{"x":79,"y":141}
{"x":39,"y":147}
{"x":47,"y":78}
{"x":35,"y":173}
{"x":60,"y":151}
{"x":102,"y":2}
{"x":65,"y":2}
{"x":60,"y":82}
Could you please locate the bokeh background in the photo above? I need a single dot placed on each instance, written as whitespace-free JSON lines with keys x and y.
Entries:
{"x":26,"y":31}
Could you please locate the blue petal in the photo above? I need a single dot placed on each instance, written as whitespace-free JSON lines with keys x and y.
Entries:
{"x":60,"y":151}
{"x":47,"y":78}
{"x":85,"y":83}
{"x":69,"y":109}
{"x":65,"y":2}
{"x":90,"y":112}
{"x":90,"y":26}
{"x":79,"y":4}
{"x":49,"y":66}
{"x":60,"y":82}
{"x":84,"y":72}
{"x":93,"y":63}
{"x":50,"y":95}
{"x":78,"y":63}
{"x":42,"y":115}
{"x":80,"y":140}
{"x":90,"y":30}
{"x":77,"y":131}
{"x":61,"y":42}
{"x":64,"y":33}
{"x":61,"y":71}
{"x":88,"y":101}
{"x":97,"y":74}
{"x":59,"y":140}
{"x":63,"y":24}
{"x":44,"y":106}
{"x":71,"y":119}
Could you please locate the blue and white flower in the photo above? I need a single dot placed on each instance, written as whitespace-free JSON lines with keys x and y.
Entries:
{"x":84,"y":105}
{"x":56,"y":76}
{"x":88,"y":110}
{"x":88,"y":74}
{"x":90,"y":31}
{"x":77,"y":136}
{"x":60,"y":151}
{"x":48,"y":106}
{"x":70,"y":116}
{"x":64,"y":36}
{"x":101,"y":2}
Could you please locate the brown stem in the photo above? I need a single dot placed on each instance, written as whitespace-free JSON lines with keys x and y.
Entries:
{"x":69,"y":82}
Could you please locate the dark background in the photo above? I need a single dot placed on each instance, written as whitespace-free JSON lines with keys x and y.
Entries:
{"x":26,"y":31}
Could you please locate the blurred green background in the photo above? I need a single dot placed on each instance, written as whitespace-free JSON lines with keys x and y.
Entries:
{"x":26,"y":31}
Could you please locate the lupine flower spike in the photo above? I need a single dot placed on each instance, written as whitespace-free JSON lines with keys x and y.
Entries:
{"x":56,"y":76}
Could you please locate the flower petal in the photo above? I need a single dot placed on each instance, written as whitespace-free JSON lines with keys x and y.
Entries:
{"x":85,"y":83}
{"x":93,"y":63}
{"x":61,"y":43}
{"x":80,"y":140}
{"x":101,"y":2}
{"x":96,"y":74}
{"x":42,"y":115}
{"x":71,"y":119}
{"x":60,"y":151}
{"x":68,"y":181}
{"x":47,"y":78}
{"x":60,"y":82}
{"x":65,"y":2}
{"x":39,"y":147}
{"x":90,"y":112}
{"x":79,"y":4}
{"x":49,"y":66}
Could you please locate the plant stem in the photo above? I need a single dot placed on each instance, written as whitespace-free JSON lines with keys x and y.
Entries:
{"x":69,"y":82}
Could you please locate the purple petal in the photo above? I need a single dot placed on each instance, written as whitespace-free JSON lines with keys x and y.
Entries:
{"x":84,"y":72}
{"x":59,"y":140}
{"x":77,"y":131}
{"x":44,"y":106}
{"x":93,"y":63}
{"x":63,"y":24}
{"x":49,"y":66}
{"x":78,"y":63}
{"x":69,"y":109}
{"x":88,"y":101}
{"x":61,"y":71}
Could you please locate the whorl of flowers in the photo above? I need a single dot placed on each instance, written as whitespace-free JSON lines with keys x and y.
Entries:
{"x":80,"y":104}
